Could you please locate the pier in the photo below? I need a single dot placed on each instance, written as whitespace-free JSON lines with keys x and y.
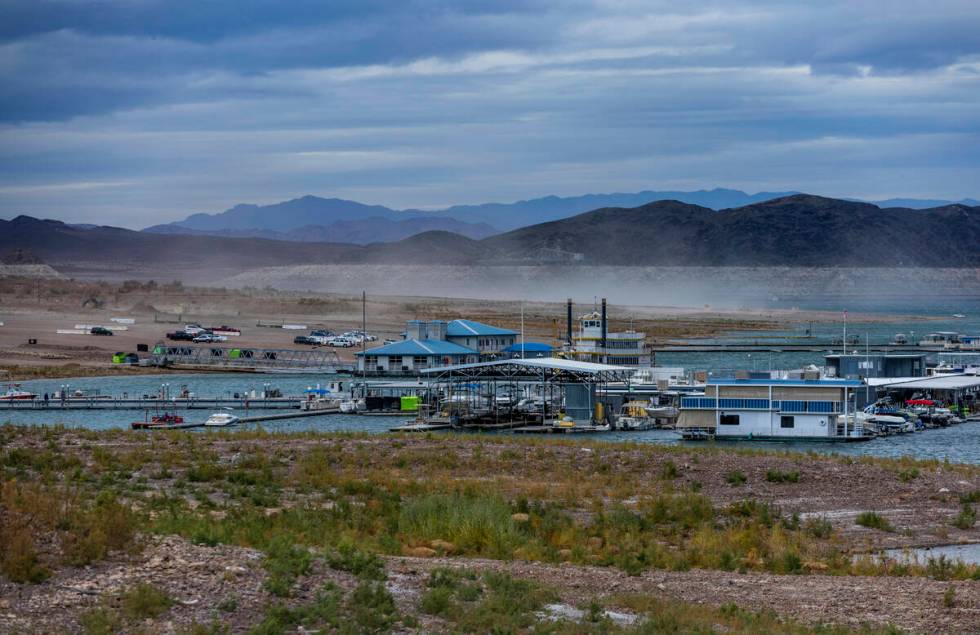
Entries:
{"x":118,"y":403}
{"x":772,"y":347}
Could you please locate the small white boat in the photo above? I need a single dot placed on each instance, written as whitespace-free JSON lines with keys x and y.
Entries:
{"x":349,"y":406}
{"x":959,"y":316}
{"x":221,"y":420}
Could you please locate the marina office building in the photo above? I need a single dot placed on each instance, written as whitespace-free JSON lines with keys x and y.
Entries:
{"x":435,"y":343}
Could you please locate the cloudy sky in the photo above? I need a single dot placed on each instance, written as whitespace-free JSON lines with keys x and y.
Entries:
{"x":133,"y":112}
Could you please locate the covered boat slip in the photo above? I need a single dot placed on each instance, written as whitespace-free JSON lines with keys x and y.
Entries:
{"x":960,"y":391}
{"x":772,"y":409}
{"x":521,"y":392}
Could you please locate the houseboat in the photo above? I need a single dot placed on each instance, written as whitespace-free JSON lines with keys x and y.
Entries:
{"x":593,"y":342}
{"x":773,"y":410}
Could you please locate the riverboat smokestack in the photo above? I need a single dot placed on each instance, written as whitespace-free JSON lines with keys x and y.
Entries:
{"x":568,"y":323}
{"x":604,"y":329}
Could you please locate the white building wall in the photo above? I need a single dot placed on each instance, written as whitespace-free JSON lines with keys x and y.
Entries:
{"x":767,"y":424}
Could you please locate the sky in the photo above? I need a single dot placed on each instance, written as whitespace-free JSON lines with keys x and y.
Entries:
{"x":137,"y":112}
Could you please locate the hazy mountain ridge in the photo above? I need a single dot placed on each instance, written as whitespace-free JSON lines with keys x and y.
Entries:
{"x":795,"y":231}
{"x":358,"y":231}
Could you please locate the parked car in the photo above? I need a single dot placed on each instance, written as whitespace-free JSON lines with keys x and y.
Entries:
{"x":194,"y":329}
{"x":341,"y":342}
{"x":100,"y":330}
{"x":321,"y":333}
{"x":180,"y":335}
{"x":207,"y":338}
{"x":303,"y":339}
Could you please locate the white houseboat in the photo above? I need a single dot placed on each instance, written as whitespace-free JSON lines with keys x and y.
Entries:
{"x":773,"y":410}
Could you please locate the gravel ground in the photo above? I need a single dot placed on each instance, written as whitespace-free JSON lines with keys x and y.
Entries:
{"x":200,"y":578}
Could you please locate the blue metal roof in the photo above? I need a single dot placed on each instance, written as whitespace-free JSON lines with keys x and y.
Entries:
{"x":469,"y":328}
{"x":421,"y":348}
{"x":529,"y":347}
{"x":826,"y":383}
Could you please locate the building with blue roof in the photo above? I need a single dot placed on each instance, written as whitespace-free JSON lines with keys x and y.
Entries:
{"x":489,"y":341}
{"x":433,"y":343}
{"x":412,"y":355}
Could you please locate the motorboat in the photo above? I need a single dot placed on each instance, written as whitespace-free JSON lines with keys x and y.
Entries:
{"x":350,"y":406}
{"x":160,"y":422}
{"x":14,"y":393}
{"x":221,"y":420}
{"x":633,"y":416}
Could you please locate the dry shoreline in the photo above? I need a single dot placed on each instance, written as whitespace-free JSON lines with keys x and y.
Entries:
{"x":920,"y":501}
{"x":36,"y":309}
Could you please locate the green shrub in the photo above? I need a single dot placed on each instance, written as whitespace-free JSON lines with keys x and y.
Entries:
{"x":437,"y":601}
{"x":873,"y":520}
{"x":819,"y":527}
{"x":908,"y":475}
{"x":668,"y":471}
{"x":144,"y":601}
{"x":970,"y":497}
{"x":949,"y":598}
{"x":372,"y":607}
{"x":966,"y":519}
{"x":18,"y":557}
{"x":736,"y":478}
{"x":361,"y":563}
{"x":778,"y":476}
{"x":99,"y":621}
{"x":284,"y":561}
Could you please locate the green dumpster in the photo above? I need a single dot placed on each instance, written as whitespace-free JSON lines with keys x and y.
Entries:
{"x":235,"y":353}
{"x":410,"y":404}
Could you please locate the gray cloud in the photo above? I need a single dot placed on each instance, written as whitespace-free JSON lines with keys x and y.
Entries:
{"x":134,"y":113}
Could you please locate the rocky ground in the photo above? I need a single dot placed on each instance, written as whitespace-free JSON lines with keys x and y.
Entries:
{"x":224,"y":585}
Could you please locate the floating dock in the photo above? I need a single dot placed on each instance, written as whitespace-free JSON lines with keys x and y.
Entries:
{"x":114,"y":403}
{"x":559,"y":430}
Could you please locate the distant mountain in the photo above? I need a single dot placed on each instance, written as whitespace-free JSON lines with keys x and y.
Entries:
{"x":298,"y":212}
{"x":796,"y":231}
{"x":278,"y":221}
{"x":793,"y":231}
{"x":358,"y":232}
{"x":924,"y":203}
{"x":548,"y":208}
{"x":312,"y":218}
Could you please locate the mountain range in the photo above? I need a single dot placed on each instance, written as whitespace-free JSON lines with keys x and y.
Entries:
{"x":315,"y":219}
{"x":796,"y":231}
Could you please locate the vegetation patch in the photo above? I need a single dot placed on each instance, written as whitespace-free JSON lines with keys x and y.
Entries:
{"x":874,"y":520}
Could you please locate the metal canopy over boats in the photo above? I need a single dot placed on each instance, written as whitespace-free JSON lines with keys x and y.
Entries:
{"x":551,"y":369}
{"x":939,"y":382}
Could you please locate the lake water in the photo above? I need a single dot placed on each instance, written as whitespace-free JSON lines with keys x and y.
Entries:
{"x":959,"y":444}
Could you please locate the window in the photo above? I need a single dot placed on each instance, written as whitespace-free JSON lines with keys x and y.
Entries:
{"x":744,"y":404}
{"x":787,"y":421}
{"x":729,"y":420}
{"x":418,"y":361}
{"x":697,"y":402}
{"x":394,"y":360}
{"x":370,"y":361}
